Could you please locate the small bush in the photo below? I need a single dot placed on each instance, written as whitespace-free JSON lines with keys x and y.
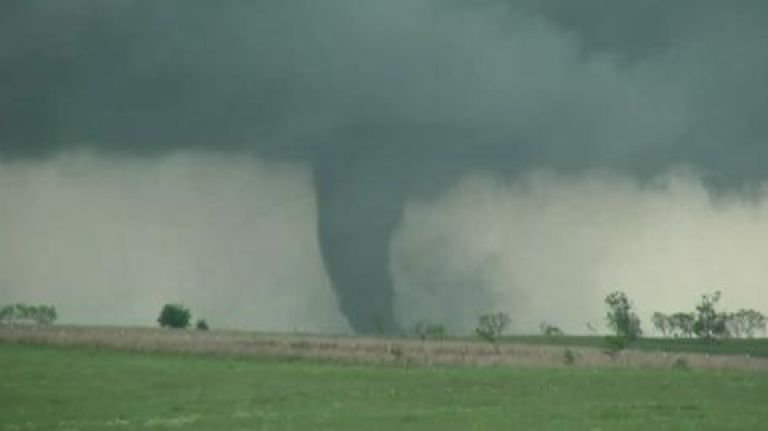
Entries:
{"x":396,"y":351}
{"x":614,"y":345}
{"x":569,"y":358}
{"x":681,"y":364}
{"x":174,"y":316}
{"x":202,"y":325}
{"x":548,"y":330}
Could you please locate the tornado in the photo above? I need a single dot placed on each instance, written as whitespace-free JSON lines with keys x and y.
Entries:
{"x":388,"y":103}
{"x":363,"y":178}
{"x":354,"y":232}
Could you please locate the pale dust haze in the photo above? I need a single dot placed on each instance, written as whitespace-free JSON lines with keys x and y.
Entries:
{"x":549,"y":247}
{"x":112,"y":240}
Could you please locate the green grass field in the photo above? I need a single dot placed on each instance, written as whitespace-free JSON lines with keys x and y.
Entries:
{"x":47,"y":388}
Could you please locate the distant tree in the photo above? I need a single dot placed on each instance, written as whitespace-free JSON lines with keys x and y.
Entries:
{"x":492,"y":325}
{"x":591,"y":327}
{"x":424,"y":331}
{"x":174,"y":316}
{"x":754,"y":321}
{"x":45,"y":314}
{"x":662,"y":322}
{"x":621,"y":317}
{"x":10,"y":314}
{"x":548,"y":330}
{"x":734,"y":324}
{"x":681,"y":324}
{"x":709,"y":322}
{"x":744,"y":323}
{"x":22,"y":314}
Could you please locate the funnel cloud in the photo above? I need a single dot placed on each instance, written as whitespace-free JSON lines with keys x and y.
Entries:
{"x":385,"y":111}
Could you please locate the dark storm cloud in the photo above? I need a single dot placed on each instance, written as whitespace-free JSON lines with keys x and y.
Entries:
{"x":388,"y":99}
{"x":554,"y":79}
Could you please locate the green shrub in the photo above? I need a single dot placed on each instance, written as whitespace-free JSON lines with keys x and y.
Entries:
{"x":174,"y":316}
{"x":615,"y":344}
{"x":202,"y":325}
{"x":548,"y":330}
{"x":569,"y":358}
{"x":681,"y":364}
{"x":395,"y":350}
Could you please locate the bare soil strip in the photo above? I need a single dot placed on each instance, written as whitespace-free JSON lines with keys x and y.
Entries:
{"x":364,"y":350}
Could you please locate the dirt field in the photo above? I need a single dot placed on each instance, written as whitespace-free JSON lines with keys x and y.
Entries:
{"x":365,"y":350}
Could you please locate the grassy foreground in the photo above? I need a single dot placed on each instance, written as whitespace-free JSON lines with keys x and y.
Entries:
{"x":48,"y":388}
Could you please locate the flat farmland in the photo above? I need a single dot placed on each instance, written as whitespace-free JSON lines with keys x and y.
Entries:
{"x":511,"y":351}
{"x":85,"y":384}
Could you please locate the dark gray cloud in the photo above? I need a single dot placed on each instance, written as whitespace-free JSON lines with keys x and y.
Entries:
{"x":392,"y":99}
{"x":557,"y":77}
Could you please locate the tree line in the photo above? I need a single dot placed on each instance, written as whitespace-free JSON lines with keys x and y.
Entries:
{"x":22,"y":314}
{"x":707,"y":322}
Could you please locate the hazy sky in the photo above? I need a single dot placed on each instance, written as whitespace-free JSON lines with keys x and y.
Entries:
{"x":347,"y":133}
